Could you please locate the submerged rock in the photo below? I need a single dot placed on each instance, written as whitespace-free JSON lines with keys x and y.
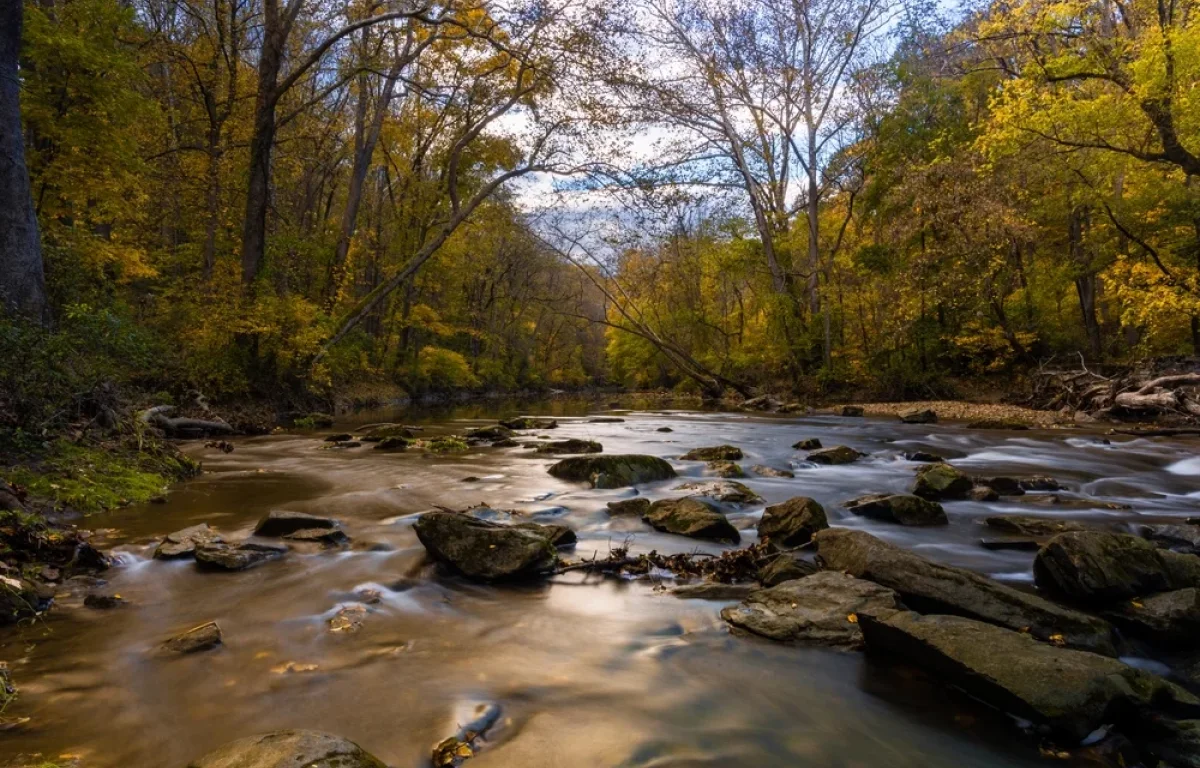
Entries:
{"x":281,"y":522}
{"x":1027,"y":525}
{"x":713,"y":453}
{"x":496,"y":432}
{"x":201,"y":638}
{"x":635,"y":506}
{"x":528,"y":422}
{"x":246,"y":555}
{"x":921,"y":416}
{"x":289,"y":749}
{"x":1100,"y":568}
{"x":792,"y":522}
{"x":899,"y":508}
{"x":821,"y":609}
{"x":381,"y":433}
{"x":691,"y":516}
{"x":327,"y":536}
{"x":935,"y":588}
{"x":942,"y":481}
{"x":1073,"y":692}
{"x":727,"y":491}
{"x":664,"y":429}
{"x":807,"y":444}
{"x":765,"y":471}
{"x":560,"y":535}
{"x":923,"y":457}
{"x":341,"y":437}
{"x":785,"y":567}
{"x":1177,"y":538}
{"x":725,"y":469}
{"x":393,"y":444}
{"x":713,"y":590}
{"x":1003,"y":486}
{"x":852,"y":410}
{"x":102,"y":602}
{"x":572,"y":445}
{"x":183,"y":543}
{"x":481,"y":549}
{"x":839,"y":454}
{"x":605,"y":420}
{"x":613,"y":471}
{"x":983,"y":493}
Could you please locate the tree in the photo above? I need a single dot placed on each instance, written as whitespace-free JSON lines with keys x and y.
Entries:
{"x":22,"y":278}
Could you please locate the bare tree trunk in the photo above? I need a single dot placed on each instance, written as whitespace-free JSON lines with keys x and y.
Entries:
{"x":262,"y":141}
{"x":213,"y":202}
{"x":22,"y":278}
{"x":1085,"y":281}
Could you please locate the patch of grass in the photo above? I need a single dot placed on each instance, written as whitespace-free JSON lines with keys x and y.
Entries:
{"x":444,"y":444}
{"x":95,"y":478}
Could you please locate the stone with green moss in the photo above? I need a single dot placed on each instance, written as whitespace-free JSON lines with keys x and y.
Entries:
{"x":615,"y":471}
{"x":713,"y":453}
{"x":942,"y":481}
{"x":691,"y":516}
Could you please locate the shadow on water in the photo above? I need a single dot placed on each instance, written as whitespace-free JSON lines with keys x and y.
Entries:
{"x":600,"y":673}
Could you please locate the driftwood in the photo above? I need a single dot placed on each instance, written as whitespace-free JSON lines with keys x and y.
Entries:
{"x":1119,"y":393}
{"x":183,"y":426}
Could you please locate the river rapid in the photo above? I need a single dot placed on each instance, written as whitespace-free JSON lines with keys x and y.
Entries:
{"x":579,"y":671}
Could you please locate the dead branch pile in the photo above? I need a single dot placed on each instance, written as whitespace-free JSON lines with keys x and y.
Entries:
{"x":1144,"y":393}
{"x":728,"y":567}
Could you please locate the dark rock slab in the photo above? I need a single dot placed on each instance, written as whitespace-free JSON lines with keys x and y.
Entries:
{"x":691,"y":516}
{"x":1170,"y":619}
{"x":807,"y":444}
{"x":246,"y":555}
{"x":935,"y":588}
{"x":325,"y":536}
{"x":485,"y":550}
{"x":922,"y":456}
{"x":290,"y":749}
{"x":765,"y":471}
{"x":1027,"y":525}
{"x":855,"y":411}
{"x":613,"y":471}
{"x":635,"y":506}
{"x":899,"y":508}
{"x":793,"y":522}
{"x":281,"y":522}
{"x":496,"y":432}
{"x":1072,"y":692}
{"x":572,"y":445}
{"x":821,"y":609}
{"x":839,"y":454}
{"x":1177,"y":538}
{"x":786,"y":567}
{"x":713,"y":590}
{"x":919,"y":416}
{"x":529,"y":422}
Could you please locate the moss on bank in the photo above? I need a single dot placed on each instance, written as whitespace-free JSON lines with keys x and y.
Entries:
{"x":94,"y":476}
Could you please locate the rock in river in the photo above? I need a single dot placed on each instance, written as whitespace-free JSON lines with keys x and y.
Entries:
{"x":920,"y":416}
{"x":728,"y":491}
{"x":1099,"y":568}
{"x":935,"y":588}
{"x":899,"y":508}
{"x":691,"y":516}
{"x":183,"y":543}
{"x":329,"y":537}
{"x":713,"y":453}
{"x":785,"y":567}
{"x":807,"y":444}
{"x":482,"y":549}
{"x":635,"y":506}
{"x":725,"y":469}
{"x":613,"y":471}
{"x":942,"y":481}
{"x":793,"y":522}
{"x":527,"y":422}
{"x":839,"y":454}
{"x":1168,"y":618}
{"x":852,"y":410}
{"x":1027,"y":525}
{"x":1177,"y":538}
{"x":246,"y":555}
{"x":571,"y":445}
{"x":289,"y":749}
{"x":821,"y":609}
{"x":199,"y":638}
{"x":1072,"y":692}
{"x":764,"y":471}
{"x":281,"y":522}
{"x":383,"y":432}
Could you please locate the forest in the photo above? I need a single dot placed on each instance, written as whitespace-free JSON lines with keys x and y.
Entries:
{"x":250,"y":200}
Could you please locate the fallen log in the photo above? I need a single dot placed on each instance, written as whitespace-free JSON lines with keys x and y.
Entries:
{"x":183,"y":426}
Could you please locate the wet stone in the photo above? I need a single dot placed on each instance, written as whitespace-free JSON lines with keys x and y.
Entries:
{"x":713,"y":453}
{"x":727,"y":491}
{"x":839,"y":454}
{"x":571,"y":445}
{"x":289,"y":749}
{"x":690,"y":516}
{"x":201,"y":638}
{"x":765,"y":471}
{"x":281,"y":522}
{"x":183,"y":543}
{"x":793,"y":522}
{"x":725,"y":469}
{"x":240,"y":558}
{"x":808,"y":444}
{"x":635,"y":506}
{"x":899,"y":508}
{"x":326,"y":536}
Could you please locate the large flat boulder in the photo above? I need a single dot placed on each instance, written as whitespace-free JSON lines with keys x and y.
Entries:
{"x":728,"y":491}
{"x":691,"y":516}
{"x":1099,"y":568}
{"x":1028,"y":525}
{"x":821,"y":609}
{"x":289,"y":749}
{"x":899,"y":508}
{"x":485,"y":550}
{"x":570,"y":445}
{"x":183,"y":543}
{"x":932,"y":587}
{"x":793,"y":522}
{"x":1169,"y":619}
{"x":1072,"y":692}
{"x":838,"y":454}
{"x":614,"y":471}
{"x":240,"y":557}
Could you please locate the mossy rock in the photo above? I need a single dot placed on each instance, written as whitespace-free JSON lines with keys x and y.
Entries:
{"x":615,"y":471}
{"x":526,"y":422}
{"x":289,"y":749}
{"x":942,"y":481}
{"x":899,"y":508}
{"x":725,"y":469}
{"x":497,"y":432}
{"x":693,"y":517}
{"x":572,"y":445}
{"x":793,"y":522}
{"x":839,"y":454}
{"x":396,"y":443}
{"x":713,"y":453}
{"x":807,"y":444}
{"x":380,"y":434}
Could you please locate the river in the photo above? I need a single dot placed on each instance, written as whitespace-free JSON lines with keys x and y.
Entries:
{"x":583,"y":671}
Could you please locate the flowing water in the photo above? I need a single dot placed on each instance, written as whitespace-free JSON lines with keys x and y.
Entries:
{"x":581,"y":671}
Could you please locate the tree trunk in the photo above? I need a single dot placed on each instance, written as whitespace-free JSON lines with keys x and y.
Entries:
{"x":262,"y":141}
{"x":213,"y":202}
{"x":1085,"y":282}
{"x":22,"y":276}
